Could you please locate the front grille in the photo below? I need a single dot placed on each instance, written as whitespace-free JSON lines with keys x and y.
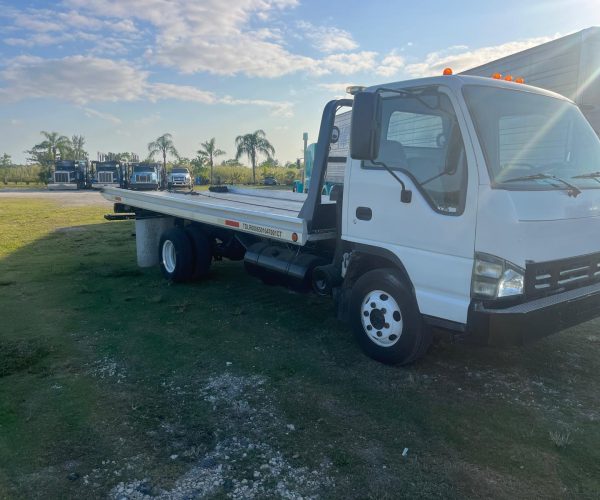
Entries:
{"x":556,"y":276}
{"x":105,"y":177}
{"x":143,"y":178}
{"x":61,"y":177}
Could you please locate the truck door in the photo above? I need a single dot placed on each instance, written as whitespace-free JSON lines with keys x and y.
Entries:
{"x":423,"y":139}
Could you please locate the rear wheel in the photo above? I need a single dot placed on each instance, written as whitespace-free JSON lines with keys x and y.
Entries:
{"x":202,"y":252}
{"x":175,"y":255}
{"x":385,"y":318}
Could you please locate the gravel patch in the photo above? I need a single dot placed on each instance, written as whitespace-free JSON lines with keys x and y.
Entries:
{"x":246,"y":463}
{"x":107,"y":368}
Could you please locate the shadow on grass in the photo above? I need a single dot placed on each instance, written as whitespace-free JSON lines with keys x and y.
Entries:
{"x":103,"y":365}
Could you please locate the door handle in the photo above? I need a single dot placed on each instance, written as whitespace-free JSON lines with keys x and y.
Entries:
{"x":364,"y":213}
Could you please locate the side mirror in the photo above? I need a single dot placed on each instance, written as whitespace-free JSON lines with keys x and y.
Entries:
{"x":365,"y":130}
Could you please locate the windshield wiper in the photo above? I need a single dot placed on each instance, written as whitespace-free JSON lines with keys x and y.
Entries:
{"x":591,"y":175}
{"x":572,"y":190}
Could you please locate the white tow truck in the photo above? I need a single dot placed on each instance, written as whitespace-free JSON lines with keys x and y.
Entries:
{"x":468,"y":204}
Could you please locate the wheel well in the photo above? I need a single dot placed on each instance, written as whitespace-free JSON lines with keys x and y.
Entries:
{"x":363,"y":262}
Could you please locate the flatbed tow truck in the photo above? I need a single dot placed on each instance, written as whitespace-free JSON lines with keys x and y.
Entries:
{"x":455,"y":191}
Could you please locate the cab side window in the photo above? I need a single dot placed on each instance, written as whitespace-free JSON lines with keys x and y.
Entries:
{"x":421,"y":138}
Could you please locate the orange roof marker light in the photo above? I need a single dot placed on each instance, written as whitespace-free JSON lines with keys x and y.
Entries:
{"x":508,"y":78}
{"x":520,"y":80}
{"x":496,"y":76}
{"x":447,"y":71}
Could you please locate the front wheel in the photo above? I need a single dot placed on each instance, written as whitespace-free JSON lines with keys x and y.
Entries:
{"x":385,"y":318}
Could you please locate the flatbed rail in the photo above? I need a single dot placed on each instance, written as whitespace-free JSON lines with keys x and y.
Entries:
{"x":273,"y":216}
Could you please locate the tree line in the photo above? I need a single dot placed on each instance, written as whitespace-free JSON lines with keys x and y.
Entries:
{"x":253,"y":146}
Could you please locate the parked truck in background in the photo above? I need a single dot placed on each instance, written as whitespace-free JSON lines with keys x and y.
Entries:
{"x":109,"y":173}
{"x":440,"y":222}
{"x":70,"y":174}
{"x":569,"y":66}
{"x":179,"y":177}
{"x":147,"y":176}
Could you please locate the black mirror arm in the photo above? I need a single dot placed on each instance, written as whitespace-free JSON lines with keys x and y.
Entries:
{"x":406,"y":194}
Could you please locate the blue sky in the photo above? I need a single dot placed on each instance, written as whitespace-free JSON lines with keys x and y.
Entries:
{"x":122,"y":72}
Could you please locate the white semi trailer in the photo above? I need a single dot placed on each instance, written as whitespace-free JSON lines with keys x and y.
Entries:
{"x":569,"y":66}
{"x":439,"y":221}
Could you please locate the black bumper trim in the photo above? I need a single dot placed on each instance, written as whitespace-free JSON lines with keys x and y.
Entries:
{"x":534,"y":319}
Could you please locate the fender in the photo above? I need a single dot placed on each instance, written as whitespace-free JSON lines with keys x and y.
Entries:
{"x":365,"y":258}
{"x":368,"y":257}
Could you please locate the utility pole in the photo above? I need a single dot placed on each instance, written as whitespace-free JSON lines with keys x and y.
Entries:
{"x":305,"y":139}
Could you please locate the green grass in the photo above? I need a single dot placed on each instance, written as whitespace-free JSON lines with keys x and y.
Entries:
{"x":107,"y":372}
{"x":22,"y":185}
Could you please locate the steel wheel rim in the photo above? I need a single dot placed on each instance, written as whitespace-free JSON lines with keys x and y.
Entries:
{"x":169,"y":256}
{"x":381,"y":318}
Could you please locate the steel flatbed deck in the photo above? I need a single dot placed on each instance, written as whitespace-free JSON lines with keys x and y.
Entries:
{"x":266,"y":213}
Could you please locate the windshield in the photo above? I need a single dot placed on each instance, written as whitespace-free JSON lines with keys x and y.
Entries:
{"x":67,"y":165}
{"x":180,"y":171}
{"x":529,"y":139}
{"x":106,"y":167}
{"x":143,"y":168}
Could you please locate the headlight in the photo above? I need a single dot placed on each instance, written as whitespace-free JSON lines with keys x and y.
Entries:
{"x":495,"y":278}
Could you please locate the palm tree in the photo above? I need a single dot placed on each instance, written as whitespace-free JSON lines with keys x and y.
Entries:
{"x":163,"y":144}
{"x":55,"y":143}
{"x":252,"y":145}
{"x":209,"y":152}
{"x":77,"y":142}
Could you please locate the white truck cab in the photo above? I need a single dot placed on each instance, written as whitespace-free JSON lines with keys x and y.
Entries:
{"x":179,"y":177}
{"x":468,"y":204}
{"x":502,"y":234}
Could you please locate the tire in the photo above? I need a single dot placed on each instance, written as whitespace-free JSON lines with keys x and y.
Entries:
{"x":202,"y":252}
{"x":385,"y":318}
{"x":175,"y":255}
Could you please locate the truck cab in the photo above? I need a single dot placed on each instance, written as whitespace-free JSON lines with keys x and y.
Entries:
{"x":107,"y":173}
{"x":146,"y":176}
{"x":179,"y":177}
{"x":499,"y":236}
{"x":69,"y":174}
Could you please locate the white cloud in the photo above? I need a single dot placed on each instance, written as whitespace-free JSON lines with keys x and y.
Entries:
{"x":157,"y":91}
{"x":94,"y":113}
{"x":54,"y":27}
{"x":279,"y":108}
{"x":328,"y":39}
{"x":336,"y":88}
{"x":347,"y":64}
{"x":221,"y":37}
{"x":79,"y":79}
{"x":390,"y":65}
{"x":85,"y":79}
{"x":460,"y":57}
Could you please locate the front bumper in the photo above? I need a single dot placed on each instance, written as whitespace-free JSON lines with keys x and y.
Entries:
{"x":100,"y":185}
{"x":56,"y":186}
{"x":140,"y":186}
{"x":182,"y":184}
{"x":534,"y":319}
